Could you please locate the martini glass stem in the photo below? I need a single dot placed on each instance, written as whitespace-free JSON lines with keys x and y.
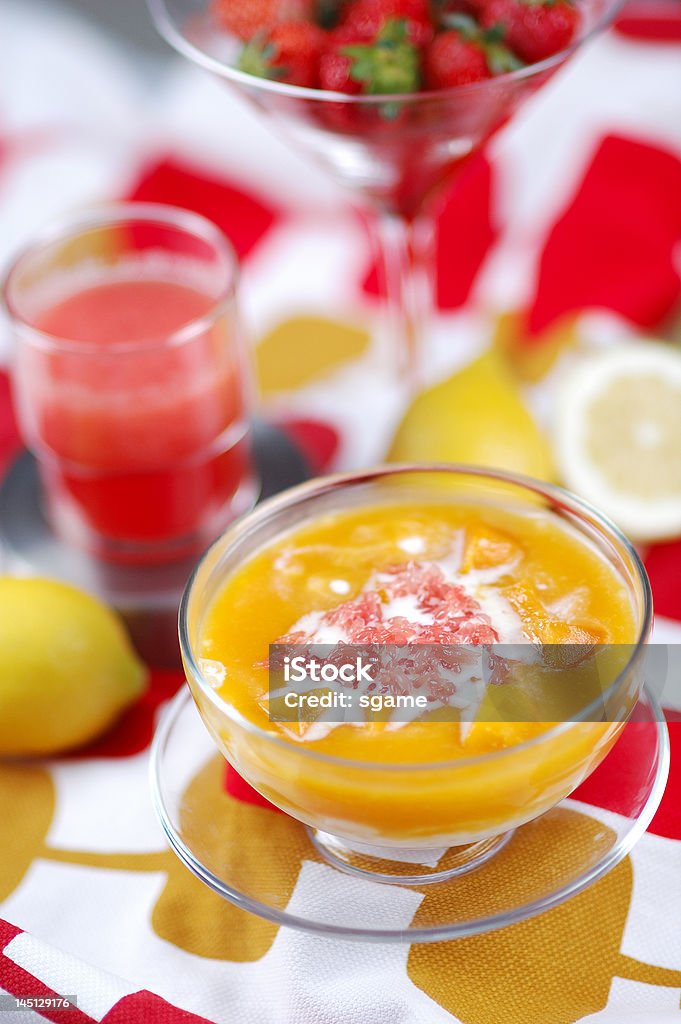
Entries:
{"x":407,"y":257}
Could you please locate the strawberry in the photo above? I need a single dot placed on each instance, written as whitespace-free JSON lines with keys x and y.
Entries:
{"x":464,"y":53}
{"x":386,"y":63}
{"x":244,"y":18}
{"x":368,"y":18}
{"x":289,"y":52}
{"x":534,"y":29}
{"x":335,"y":65}
{"x":452,"y":59}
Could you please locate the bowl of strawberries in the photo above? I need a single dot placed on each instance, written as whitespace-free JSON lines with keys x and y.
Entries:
{"x":379,"y":47}
{"x":412,"y":87}
{"x":391,"y":96}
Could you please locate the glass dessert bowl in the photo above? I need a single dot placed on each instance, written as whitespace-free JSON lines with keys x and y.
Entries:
{"x":445,"y":558}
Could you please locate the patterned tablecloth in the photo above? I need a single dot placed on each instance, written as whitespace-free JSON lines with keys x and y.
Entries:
{"x":569,"y":226}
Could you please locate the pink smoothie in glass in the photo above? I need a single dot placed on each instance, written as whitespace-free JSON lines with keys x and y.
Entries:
{"x":142,"y":432}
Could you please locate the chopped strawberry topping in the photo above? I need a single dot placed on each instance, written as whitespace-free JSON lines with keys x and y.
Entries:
{"x":452,"y":616}
{"x":420,"y":620}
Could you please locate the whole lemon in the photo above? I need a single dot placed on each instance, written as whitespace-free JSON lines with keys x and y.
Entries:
{"x":477,"y":417}
{"x":67,"y":669}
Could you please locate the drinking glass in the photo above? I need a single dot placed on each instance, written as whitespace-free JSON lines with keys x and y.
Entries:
{"x":131,"y":380}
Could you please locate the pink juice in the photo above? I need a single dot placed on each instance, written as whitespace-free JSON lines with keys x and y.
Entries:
{"x":124,"y":311}
{"x":142,"y":435}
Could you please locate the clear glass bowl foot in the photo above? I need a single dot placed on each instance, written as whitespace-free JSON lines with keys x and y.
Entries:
{"x":405,"y":867}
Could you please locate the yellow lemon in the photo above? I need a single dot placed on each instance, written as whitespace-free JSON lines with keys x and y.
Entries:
{"x":477,"y":417}
{"x":67,"y":669}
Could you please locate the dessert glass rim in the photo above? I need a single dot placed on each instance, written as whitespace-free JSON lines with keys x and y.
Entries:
{"x":325,"y":484}
{"x":179,"y":41}
{"x":111,"y":214}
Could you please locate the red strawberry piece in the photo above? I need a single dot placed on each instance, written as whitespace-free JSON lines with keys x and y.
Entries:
{"x":289,"y":52}
{"x":369,"y":17}
{"x":246,"y":17}
{"x":388,"y":63}
{"x":466,"y":53}
{"x":533,"y":29}
{"x":451,"y":59}
{"x":335,"y":65}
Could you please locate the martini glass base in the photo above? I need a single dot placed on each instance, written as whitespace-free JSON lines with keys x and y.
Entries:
{"x":266,"y":862}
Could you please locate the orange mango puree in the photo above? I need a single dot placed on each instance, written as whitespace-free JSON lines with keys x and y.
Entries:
{"x":425,"y":783}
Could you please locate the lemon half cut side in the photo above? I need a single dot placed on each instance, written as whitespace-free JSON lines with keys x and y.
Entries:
{"x":618,"y":436}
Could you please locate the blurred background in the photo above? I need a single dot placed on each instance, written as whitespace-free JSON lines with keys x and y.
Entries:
{"x":127,"y":18}
{"x":545,"y":249}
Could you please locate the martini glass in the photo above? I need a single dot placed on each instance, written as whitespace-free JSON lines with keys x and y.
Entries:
{"x":394,"y":152}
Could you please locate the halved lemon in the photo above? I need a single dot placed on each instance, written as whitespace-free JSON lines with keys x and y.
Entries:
{"x":618,"y":436}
